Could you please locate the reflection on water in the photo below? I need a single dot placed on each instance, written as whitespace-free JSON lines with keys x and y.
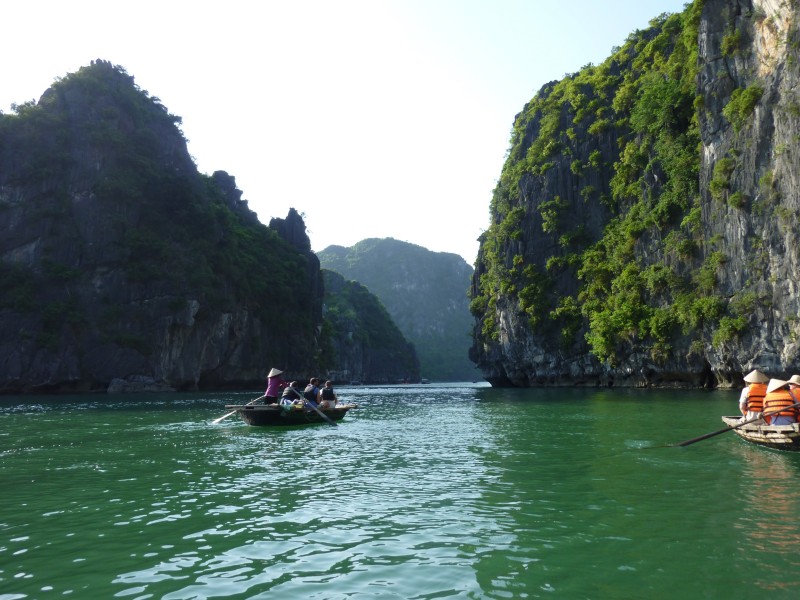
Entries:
{"x":423,"y":492}
{"x":769,"y":509}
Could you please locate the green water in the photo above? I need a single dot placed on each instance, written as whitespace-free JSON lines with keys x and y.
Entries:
{"x":423,"y":492}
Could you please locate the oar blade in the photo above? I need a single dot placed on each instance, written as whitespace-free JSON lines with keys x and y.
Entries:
{"x":223,"y":417}
{"x":233,"y":412}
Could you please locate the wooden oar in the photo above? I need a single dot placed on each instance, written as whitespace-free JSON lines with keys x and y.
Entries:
{"x":319,"y":412}
{"x":732,"y":427}
{"x":233,"y":412}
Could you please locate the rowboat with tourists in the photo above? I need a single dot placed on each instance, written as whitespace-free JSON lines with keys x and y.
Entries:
{"x":313,"y":405}
{"x":770,"y":413}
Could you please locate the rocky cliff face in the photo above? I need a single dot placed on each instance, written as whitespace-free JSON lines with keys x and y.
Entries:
{"x":643,"y":230}
{"x":122,"y":267}
{"x":752,"y":48}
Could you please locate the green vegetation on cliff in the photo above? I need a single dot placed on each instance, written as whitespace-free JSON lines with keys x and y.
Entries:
{"x":172,"y":224}
{"x":119,"y":258}
{"x":425,"y":293}
{"x":365,"y":343}
{"x":618,"y":264}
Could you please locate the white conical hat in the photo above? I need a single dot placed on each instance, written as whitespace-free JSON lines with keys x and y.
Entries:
{"x":795,"y":379}
{"x":756,"y":376}
{"x":775,"y":384}
{"x":274,"y":372}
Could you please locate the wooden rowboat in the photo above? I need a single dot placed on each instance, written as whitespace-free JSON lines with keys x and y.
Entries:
{"x":782,"y":437}
{"x":274,"y":414}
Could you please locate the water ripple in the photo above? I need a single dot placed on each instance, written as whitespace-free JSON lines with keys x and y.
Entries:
{"x":423,"y":492}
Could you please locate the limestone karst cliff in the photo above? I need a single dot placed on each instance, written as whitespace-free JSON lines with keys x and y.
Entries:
{"x":124,"y":269}
{"x":643,"y":229}
{"x":122,"y":266}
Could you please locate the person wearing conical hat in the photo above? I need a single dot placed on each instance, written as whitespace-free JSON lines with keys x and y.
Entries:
{"x":274,"y":385}
{"x":780,"y":401}
{"x":751,"y":400}
{"x":794,"y":382}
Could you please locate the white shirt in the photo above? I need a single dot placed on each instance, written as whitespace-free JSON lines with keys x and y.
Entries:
{"x":743,"y":397}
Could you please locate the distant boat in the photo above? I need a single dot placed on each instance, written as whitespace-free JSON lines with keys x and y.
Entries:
{"x":274,"y":414}
{"x":424,"y":381}
{"x":355,"y":382}
{"x":782,"y":437}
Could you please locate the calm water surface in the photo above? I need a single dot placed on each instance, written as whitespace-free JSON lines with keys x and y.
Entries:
{"x":458,"y":491}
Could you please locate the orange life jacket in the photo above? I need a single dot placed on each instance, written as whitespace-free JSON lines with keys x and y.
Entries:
{"x":755,"y":397}
{"x":780,"y":399}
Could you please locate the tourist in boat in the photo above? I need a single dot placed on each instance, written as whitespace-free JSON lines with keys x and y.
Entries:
{"x":311,"y":393}
{"x":779,"y":400}
{"x":291,"y":396}
{"x":274,"y":385}
{"x":327,"y":396}
{"x":794,"y":390}
{"x":751,"y":400}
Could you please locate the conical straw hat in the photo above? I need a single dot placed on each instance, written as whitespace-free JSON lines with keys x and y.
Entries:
{"x":274,"y":372}
{"x":775,"y":384}
{"x":756,"y":376}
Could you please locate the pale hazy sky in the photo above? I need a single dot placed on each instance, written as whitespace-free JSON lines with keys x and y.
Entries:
{"x":373,"y":118}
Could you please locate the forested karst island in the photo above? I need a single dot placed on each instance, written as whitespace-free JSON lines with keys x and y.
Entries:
{"x":124,"y":268}
{"x":644,"y":226}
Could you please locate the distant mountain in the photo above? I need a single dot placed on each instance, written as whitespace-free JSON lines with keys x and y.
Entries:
{"x":366,"y":345}
{"x":425,"y":293}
